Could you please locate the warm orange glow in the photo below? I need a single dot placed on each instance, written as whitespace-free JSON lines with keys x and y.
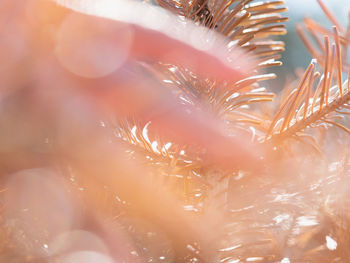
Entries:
{"x":132,"y":132}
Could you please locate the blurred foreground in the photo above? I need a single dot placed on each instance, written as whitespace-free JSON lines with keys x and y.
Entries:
{"x":103,"y":159}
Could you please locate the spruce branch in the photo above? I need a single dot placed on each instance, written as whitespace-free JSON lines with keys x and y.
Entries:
{"x":307,"y":108}
{"x":317,"y":31}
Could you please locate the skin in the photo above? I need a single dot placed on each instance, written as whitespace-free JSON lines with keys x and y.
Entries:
{"x":166,"y":114}
{"x":54,"y":89}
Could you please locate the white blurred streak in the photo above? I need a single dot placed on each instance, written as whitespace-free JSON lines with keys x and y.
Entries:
{"x":76,"y":240}
{"x":307,"y":221}
{"x":150,"y":17}
{"x":285,"y":260}
{"x":145,"y":132}
{"x":86,"y":257}
{"x":37,"y":209}
{"x":331,"y":243}
{"x":133,"y":12}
